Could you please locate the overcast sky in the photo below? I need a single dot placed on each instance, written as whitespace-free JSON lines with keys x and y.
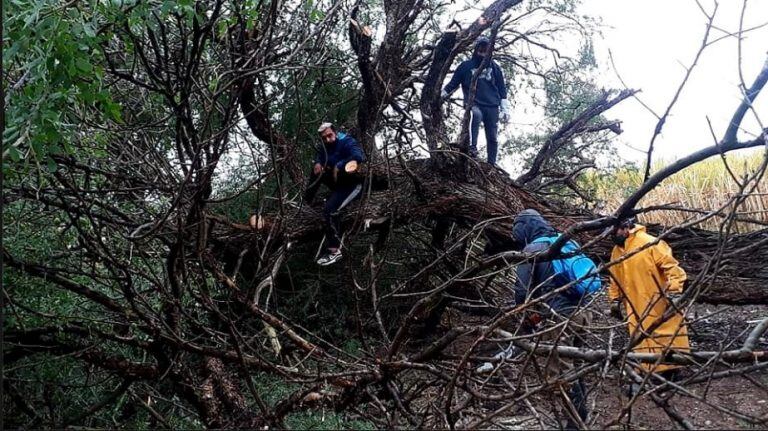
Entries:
{"x":652,"y":42}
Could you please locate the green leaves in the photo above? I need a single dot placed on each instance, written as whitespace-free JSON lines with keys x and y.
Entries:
{"x":53,"y":77}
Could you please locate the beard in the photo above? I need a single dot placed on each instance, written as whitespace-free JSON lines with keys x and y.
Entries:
{"x":619,"y":240}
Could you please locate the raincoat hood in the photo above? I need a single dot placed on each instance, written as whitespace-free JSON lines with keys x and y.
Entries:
{"x":529,"y":225}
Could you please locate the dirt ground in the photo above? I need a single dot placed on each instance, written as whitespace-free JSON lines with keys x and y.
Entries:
{"x":736,"y":402}
{"x":736,"y":394}
{"x":721,"y":401}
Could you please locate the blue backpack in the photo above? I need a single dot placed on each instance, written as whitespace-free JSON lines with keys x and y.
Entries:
{"x":576,"y":267}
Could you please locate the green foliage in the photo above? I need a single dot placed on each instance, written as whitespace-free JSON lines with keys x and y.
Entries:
{"x":325,"y":420}
{"x":54,"y":72}
{"x":560,"y":6}
{"x":275,"y":390}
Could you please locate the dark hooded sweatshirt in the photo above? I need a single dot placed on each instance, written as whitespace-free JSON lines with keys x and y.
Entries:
{"x":490,"y":85}
{"x":537,"y":278}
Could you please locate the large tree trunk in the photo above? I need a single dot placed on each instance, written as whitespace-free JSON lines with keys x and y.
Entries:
{"x":418,"y":192}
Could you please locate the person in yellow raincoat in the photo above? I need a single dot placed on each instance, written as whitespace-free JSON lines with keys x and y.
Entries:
{"x":644,"y":283}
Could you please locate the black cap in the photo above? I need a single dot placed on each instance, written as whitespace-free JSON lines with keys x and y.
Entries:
{"x":627,"y":222}
{"x":482,"y":40}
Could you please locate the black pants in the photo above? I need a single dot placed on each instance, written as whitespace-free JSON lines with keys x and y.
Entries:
{"x":340,"y":197}
{"x":489,"y":116}
{"x":343,"y":192}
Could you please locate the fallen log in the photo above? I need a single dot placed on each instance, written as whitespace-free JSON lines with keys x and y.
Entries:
{"x":485,"y":198}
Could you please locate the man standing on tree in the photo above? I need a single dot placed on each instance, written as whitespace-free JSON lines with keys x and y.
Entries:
{"x":334,"y":164}
{"x":547,"y":279}
{"x":489,"y":100}
{"x":646,"y":283}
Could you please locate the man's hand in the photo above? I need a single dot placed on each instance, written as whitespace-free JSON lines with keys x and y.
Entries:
{"x":615,"y":310}
{"x":532,"y":319}
{"x":505,"y":112}
{"x":674,"y":296}
{"x":318,"y":169}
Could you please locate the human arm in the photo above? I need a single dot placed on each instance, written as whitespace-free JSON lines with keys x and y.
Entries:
{"x":320,"y":158}
{"x":453,"y":84}
{"x":352,"y":151}
{"x":313,"y":184}
{"x":523,"y":278}
{"x":501,"y":86}
{"x":673,"y":273}
{"x":615,"y":291}
{"x":505,"y":109}
{"x":525,"y":272}
{"x":615,"y":297}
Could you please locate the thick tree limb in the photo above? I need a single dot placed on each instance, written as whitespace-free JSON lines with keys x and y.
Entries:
{"x":581,"y":124}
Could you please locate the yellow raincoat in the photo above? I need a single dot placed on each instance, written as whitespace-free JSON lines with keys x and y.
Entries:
{"x":640,"y":281}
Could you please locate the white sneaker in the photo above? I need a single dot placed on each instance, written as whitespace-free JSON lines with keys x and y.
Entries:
{"x":329,"y":258}
{"x":510,"y":352}
{"x":487,"y":367}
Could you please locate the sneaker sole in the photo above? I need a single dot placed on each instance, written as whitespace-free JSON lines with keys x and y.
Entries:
{"x":329,"y":262}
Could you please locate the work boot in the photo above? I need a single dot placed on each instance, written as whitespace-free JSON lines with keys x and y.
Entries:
{"x":631,"y":390}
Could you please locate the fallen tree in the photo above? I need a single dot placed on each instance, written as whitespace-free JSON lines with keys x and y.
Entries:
{"x":142,"y":281}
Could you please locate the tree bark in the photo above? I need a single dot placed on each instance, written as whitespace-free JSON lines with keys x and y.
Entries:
{"x":489,"y":201}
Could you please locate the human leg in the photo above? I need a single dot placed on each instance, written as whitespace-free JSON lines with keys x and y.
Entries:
{"x":339,"y":199}
{"x":491,"y":126}
{"x":475,"y":118}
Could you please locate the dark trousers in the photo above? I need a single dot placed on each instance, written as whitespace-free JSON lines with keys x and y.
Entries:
{"x":340,"y":197}
{"x":343,"y":192}
{"x":489,"y":116}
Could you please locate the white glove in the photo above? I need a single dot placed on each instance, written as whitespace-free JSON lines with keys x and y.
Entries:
{"x":444,"y":95}
{"x":506,"y":110}
{"x":674,"y":296}
{"x":511,"y":352}
{"x":487,"y":367}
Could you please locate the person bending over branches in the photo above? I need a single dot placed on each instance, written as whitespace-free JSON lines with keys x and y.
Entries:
{"x":547,"y":279}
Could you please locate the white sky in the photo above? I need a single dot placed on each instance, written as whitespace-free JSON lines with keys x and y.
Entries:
{"x":652,"y":42}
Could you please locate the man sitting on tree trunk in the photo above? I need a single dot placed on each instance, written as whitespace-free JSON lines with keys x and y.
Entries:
{"x":334,"y":164}
{"x":490,"y":94}
{"x":647,"y":283}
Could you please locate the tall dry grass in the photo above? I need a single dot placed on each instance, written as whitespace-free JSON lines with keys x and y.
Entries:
{"x":705,"y":186}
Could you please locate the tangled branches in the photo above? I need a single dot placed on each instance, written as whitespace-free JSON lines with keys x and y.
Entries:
{"x":136,"y":294}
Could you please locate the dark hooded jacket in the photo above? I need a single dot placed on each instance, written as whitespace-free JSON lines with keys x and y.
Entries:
{"x":335,"y":155}
{"x":341,"y":152}
{"x":490,"y":85}
{"x":537,"y":278}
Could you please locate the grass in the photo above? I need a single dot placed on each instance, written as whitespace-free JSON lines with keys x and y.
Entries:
{"x":273,"y":390}
{"x":705,"y":186}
